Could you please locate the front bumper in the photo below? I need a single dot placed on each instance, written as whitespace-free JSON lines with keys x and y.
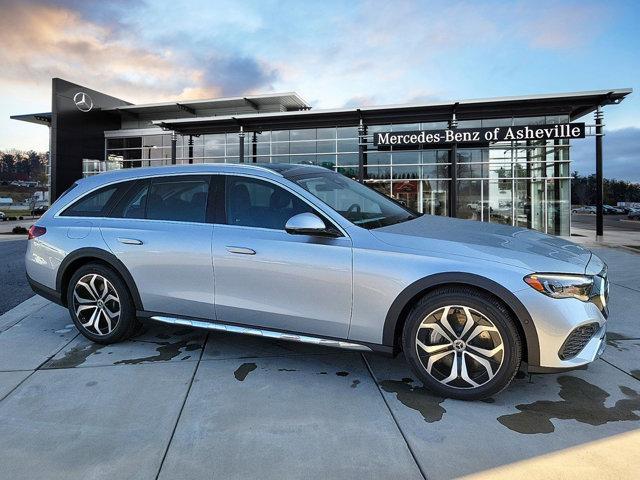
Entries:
{"x":554,"y":320}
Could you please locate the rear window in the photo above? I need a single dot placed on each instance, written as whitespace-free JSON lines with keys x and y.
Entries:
{"x":94,"y":204}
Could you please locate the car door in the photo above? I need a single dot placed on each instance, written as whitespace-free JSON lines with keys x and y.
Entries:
{"x":159,"y":230}
{"x":266,"y":277}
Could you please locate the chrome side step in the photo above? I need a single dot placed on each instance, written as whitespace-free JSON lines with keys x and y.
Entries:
{"x":221,"y":327}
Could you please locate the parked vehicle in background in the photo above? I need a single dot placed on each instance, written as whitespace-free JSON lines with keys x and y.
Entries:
{"x":303,"y":253}
{"x":586,"y":209}
{"x":39,"y":210}
{"x":634,"y":214}
{"x":3,"y":217}
{"x":611,"y":210}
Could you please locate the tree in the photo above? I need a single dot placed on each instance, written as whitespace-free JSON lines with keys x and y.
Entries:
{"x":583,"y":190}
{"x":7,"y":165}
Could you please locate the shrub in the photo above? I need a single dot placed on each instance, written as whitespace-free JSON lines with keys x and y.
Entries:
{"x":20,"y":230}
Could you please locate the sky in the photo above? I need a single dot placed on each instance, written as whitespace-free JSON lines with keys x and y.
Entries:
{"x":333,"y":53}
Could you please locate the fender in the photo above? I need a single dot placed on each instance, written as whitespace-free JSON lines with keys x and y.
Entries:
{"x":108,"y":258}
{"x":470,"y":279}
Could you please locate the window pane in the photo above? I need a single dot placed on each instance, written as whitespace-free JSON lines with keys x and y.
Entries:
{"x":115,"y":142}
{"x":214,"y":145}
{"x":183,"y":200}
{"x":152,"y":141}
{"x":280,"y":136}
{"x":347,"y":145}
{"x":306,"y":134}
{"x":327,"y":146}
{"x":256,"y":203}
{"x":93,"y":205}
{"x":347,"y":132}
{"x":133,"y":142}
{"x":326,"y":133}
{"x":303,"y":147}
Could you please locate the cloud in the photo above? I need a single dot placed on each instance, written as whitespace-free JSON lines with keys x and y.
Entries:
{"x":41,"y":41}
{"x":621,"y":154}
{"x":238,"y":75}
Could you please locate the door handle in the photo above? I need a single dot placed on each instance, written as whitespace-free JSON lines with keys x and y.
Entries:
{"x":240,"y":250}
{"x":129,"y":241}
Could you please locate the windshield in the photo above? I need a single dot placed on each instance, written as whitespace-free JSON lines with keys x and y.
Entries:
{"x":356,"y":202}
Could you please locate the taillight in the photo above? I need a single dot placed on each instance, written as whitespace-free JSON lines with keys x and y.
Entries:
{"x":36,"y":231}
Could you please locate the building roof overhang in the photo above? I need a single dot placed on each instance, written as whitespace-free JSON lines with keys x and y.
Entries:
{"x":38,"y":118}
{"x":575,"y":105}
{"x":283,"y":101}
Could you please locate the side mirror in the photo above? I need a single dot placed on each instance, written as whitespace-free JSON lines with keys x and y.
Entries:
{"x":308,"y":224}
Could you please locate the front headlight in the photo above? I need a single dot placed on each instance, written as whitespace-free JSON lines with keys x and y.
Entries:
{"x":561,"y":286}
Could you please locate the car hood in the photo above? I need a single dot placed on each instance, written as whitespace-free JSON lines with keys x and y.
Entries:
{"x":514,"y":246}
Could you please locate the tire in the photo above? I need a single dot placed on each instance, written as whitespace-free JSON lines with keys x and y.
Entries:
{"x":486,"y":353}
{"x":113,"y":308}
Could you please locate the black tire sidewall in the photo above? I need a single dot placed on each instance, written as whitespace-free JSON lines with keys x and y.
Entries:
{"x":126,"y":322}
{"x":486,"y":305}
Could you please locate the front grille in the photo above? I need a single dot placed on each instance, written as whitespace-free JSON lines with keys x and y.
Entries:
{"x":577,"y":340}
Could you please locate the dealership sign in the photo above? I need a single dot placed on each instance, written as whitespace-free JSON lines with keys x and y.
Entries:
{"x":479,"y":135}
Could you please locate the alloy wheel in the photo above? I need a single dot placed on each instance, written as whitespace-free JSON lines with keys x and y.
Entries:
{"x":459,"y":347}
{"x":96,"y":304}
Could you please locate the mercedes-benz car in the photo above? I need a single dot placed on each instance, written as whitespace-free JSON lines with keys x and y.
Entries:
{"x":302,"y":253}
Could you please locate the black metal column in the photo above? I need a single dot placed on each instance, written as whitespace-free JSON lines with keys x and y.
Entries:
{"x":599,"y":176}
{"x":362,"y":149}
{"x":453,"y":188}
{"x":453,"y":161}
{"x":254,"y":147}
{"x":241,"y":146}
{"x":190,"y":149}
{"x":174,"y":147}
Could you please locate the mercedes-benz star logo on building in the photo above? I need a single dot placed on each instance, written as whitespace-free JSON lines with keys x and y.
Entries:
{"x":83,"y":101}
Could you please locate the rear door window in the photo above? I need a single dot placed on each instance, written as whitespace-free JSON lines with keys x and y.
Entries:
{"x":180,"y":199}
{"x":134,"y":203}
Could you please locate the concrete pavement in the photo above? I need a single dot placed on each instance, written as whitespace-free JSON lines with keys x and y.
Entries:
{"x":13,"y":283}
{"x":177,"y":403}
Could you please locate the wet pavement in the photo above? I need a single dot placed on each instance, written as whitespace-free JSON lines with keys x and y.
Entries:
{"x":177,"y":403}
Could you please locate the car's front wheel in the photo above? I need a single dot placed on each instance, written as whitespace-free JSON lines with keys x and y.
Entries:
{"x":462,"y":343}
{"x":100,"y":304}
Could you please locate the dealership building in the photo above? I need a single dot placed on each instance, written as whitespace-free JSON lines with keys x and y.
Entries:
{"x":502,"y":160}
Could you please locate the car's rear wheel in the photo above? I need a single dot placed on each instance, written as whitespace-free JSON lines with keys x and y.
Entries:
{"x":462,"y":343}
{"x":100,"y":304}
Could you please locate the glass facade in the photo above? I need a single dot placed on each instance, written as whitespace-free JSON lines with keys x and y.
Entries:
{"x":523,"y":183}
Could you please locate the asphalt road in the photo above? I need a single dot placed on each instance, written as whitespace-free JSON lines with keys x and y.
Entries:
{"x":611,"y":222}
{"x":14,"y":288}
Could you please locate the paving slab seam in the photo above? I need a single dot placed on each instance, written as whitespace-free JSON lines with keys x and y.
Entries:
{"x":184,"y":402}
{"x":11,"y":325}
{"x":624,"y":286}
{"x":373,"y":377}
{"x":39,"y":367}
{"x":618,"y":368}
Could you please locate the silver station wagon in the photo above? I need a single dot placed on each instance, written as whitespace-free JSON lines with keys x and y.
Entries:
{"x":301,"y":253}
